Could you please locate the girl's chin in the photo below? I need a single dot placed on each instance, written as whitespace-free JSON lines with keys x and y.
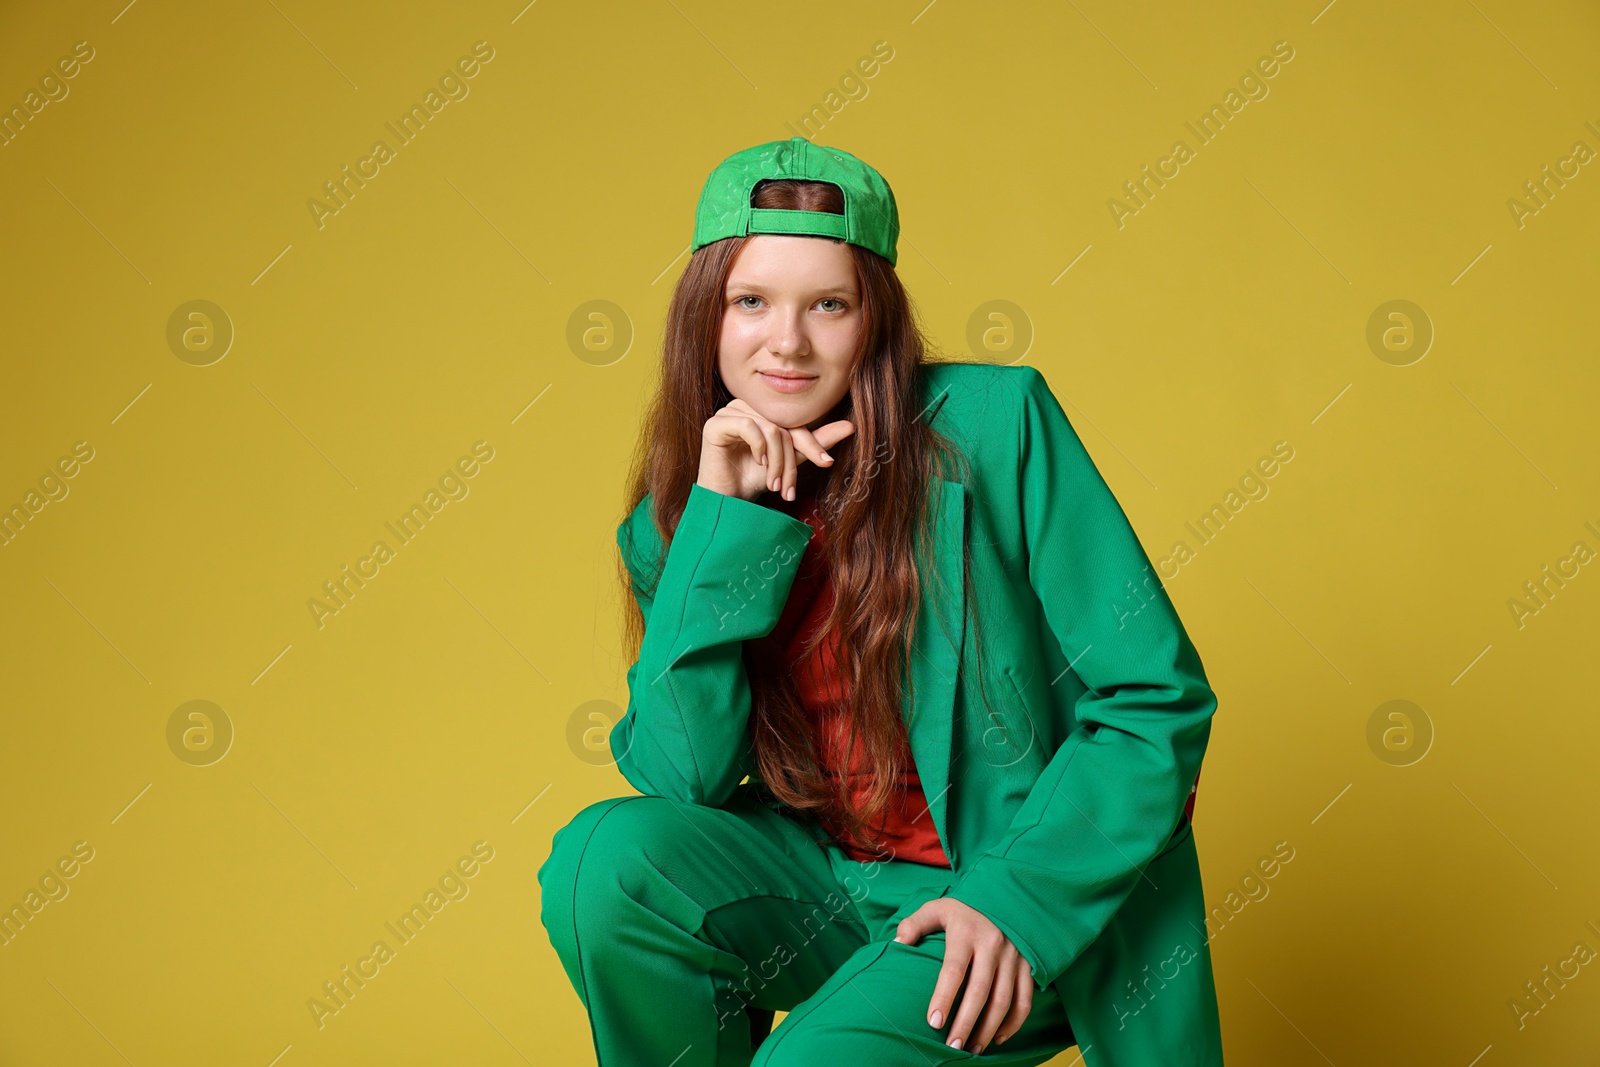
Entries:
{"x":790,"y":416}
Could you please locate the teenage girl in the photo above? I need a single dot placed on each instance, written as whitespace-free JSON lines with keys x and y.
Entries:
{"x":916,"y":729}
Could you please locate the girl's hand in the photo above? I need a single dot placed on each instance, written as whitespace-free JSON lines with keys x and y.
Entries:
{"x":1001,"y":983}
{"x":743,"y":454}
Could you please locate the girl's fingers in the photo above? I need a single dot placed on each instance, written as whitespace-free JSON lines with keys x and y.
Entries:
{"x":834,"y":432}
{"x":998,"y":1008}
{"x":766,"y":443}
{"x":809,"y":447}
{"x":980,"y":980}
{"x":780,"y":449}
{"x":791,"y":466}
{"x":951,"y":973}
{"x":823,"y":438}
{"x":775,"y":455}
{"x":735,"y":426}
{"x":750,"y":433}
{"x":1021,"y":1005}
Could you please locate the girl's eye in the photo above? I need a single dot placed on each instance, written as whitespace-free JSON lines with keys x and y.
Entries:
{"x":740,"y":302}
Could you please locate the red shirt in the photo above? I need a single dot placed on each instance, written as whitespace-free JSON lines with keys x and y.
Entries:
{"x":906,"y":831}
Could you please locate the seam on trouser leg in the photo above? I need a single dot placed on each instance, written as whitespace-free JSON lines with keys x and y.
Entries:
{"x":784,"y":1029}
{"x":708,"y":928}
{"x":706,"y":913}
{"x":577,"y":946}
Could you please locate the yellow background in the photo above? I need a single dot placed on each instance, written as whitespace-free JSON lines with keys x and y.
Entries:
{"x":434,"y":711}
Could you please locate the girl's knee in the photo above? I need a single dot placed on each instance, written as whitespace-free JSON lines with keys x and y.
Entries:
{"x":602,"y":844}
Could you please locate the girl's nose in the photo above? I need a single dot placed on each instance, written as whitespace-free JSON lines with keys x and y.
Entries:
{"x":788,"y":336}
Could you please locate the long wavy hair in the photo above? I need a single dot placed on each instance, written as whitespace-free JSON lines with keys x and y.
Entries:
{"x":874,"y":498}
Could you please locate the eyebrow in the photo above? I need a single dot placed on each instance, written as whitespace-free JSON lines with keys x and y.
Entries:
{"x":839,"y":290}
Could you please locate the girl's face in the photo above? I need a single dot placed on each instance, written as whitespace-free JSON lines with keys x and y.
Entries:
{"x":791,"y":319}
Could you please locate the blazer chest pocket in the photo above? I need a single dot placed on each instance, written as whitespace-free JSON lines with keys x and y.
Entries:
{"x":1010,"y":729}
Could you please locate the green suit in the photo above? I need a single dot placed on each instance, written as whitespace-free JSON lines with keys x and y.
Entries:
{"x":1059,"y":804}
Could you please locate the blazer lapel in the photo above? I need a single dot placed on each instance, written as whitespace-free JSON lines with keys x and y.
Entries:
{"x":936,"y":647}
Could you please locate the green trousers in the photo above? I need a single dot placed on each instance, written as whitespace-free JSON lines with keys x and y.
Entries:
{"x":684,"y":927}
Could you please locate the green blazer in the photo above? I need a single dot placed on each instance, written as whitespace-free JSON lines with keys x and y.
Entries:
{"x":1050,"y":807}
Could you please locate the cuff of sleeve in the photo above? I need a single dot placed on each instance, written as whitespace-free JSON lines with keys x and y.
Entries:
{"x":737,"y":526}
{"x":999,"y":907}
{"x":741,"y":512}
{"x":738,"y":562}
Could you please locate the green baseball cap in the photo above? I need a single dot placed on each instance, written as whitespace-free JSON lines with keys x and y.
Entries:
{"x":870,"y":218}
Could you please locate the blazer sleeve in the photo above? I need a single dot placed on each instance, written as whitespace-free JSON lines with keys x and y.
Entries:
{"x":725,"y":579}
{"x":1113,"y":794}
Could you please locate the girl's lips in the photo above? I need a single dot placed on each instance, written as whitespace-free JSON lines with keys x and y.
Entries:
{"x":786,"y":385}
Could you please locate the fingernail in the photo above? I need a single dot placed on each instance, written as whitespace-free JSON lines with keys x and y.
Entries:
{"x":827,"y":457}
{"x":788,"y":494}
{"x":936,"y":1018}
{"x":954,"y":1042}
